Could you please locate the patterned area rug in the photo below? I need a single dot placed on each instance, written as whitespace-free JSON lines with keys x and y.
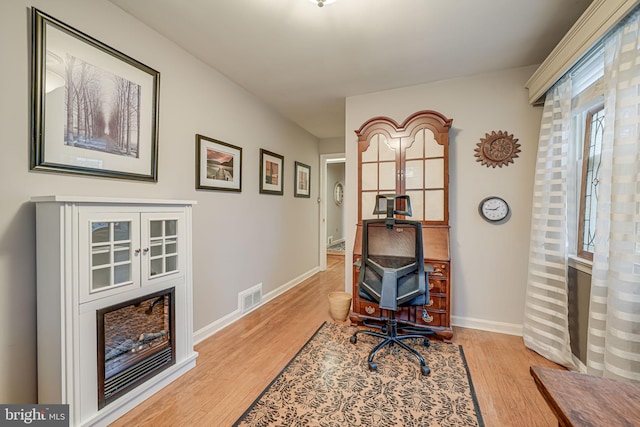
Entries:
{"x":328,"y":383}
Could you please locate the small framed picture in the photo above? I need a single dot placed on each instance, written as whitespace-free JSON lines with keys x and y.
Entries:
{"x":271,"y":173}
{"x":218,"y":165}
{"x":94,"y":109}
{"x":302,"y":184}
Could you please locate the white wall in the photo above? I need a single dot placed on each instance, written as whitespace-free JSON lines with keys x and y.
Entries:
{"x":240,"y":239}
{"x":489,"y":262}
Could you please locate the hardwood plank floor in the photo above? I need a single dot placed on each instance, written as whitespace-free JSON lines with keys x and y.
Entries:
{"x":237,"y":363}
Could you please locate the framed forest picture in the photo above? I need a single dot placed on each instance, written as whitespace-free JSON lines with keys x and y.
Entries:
{"x":94,"y":109}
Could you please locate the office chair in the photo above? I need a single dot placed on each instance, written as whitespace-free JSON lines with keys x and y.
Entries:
{"x":392,"y":273}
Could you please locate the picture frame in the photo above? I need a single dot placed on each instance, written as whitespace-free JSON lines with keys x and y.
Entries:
{"x":111,"y":127}
{"x":218,"y":165}
{"x":302,"y":180}
{"x":271,"y":173}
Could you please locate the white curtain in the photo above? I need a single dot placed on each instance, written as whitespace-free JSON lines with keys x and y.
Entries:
{"x":546,"y":328}
{"x":614,"y":316}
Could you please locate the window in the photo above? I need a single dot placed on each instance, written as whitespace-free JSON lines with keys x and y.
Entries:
{"x":588,"y":113}
{"x":594,"y":130}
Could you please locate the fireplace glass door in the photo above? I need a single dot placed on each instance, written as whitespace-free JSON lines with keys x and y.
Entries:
{"x":135,"y":342}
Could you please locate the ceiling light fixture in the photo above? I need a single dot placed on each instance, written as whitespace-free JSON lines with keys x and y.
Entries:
{"x":321,"y":3}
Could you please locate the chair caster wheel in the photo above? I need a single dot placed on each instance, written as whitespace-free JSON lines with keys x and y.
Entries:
{"x":426,"y":343}
{"x":425,"y":370}
{"x":353,"y":339}
{"x":373,"y":366}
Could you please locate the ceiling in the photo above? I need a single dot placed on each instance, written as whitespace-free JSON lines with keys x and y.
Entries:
{"x":304,"y":60}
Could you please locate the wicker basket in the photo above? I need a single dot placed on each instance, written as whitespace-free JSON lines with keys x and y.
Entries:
{"x":339,"y":305}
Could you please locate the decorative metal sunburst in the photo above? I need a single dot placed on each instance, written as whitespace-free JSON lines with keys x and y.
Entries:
{"x":497,"y":149}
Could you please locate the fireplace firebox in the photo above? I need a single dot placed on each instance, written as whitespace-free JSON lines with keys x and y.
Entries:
{"x":136,"y":340}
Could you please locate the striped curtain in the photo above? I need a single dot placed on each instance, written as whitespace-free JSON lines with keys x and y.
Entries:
{"x":546,"y":327}
{"x":614,"y":315}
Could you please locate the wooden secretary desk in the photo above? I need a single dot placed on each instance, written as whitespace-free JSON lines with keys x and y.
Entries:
{"x":413,"y":159}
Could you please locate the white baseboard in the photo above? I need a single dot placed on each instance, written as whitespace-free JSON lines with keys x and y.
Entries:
{"x":216,"y":326}
{"x":487,"y":325}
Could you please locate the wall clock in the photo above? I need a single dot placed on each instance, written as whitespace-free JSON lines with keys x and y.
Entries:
{"x":493,"y":209}
{"x":497,"y":149}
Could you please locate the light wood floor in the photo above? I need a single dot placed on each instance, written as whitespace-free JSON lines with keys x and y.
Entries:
{"x":237,"y":363}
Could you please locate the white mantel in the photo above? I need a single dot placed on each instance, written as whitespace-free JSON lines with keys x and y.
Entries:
{"x":67,"y":347}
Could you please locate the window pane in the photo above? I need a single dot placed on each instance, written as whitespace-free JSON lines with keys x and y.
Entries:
{"x":121,"y":273}
{"x":171,"y":247}
{"x":172,"y":263}
{"x":434,"y":205}
{"x":369,"y":176}
{"x":156,"y":228}
{"x":387,"y":149}
{"x":156,"y":248}
{"x":416,"y":150}
{"x":591,"y":168}
{"x":121,"y":253}
{"x":121,"y":231}
{"x":417,"y":204}
{"x":368,"y":205}
{"x":99,"y":232}
{"x":413,"y":174}
{"x":435,"y":173}
{"x":371,"y":153}
{"x":431,"y":146}
{"x":170,"y":227}
{"x":101,"y":255}
{"x":387,"y":176}
{"x":156,"y":266}
{"x":101,"y":278}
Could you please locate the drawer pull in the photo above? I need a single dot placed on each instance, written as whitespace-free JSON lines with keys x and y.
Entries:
{"x":430,"y":285}
{"x":429,"y":304}
{"x":369,"y":309}
{"x":427,"y":318}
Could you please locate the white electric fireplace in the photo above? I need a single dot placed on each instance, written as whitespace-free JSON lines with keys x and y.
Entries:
{"x":114,"y":295}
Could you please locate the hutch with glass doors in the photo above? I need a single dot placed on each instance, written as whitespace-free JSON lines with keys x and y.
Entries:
{"x":114,"y":301}
{"x":413,"y":159}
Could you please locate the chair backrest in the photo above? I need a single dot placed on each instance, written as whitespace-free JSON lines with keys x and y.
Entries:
{"x":392,"y":266}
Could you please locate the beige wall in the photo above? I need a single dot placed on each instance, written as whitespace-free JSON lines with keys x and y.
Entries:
{"x":331,"y":146}
{"x":489,"y":262}
{"x":240,"y":239}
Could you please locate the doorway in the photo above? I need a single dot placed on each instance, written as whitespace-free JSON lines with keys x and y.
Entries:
{"x":332,"y":172}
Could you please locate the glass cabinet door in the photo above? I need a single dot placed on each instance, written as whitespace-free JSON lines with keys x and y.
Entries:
{"x":162,"y":236}
{"x":109,"y":249}
{"x":424,"y":176}
{"x":379,"y":172}
{"x":111,"y":254}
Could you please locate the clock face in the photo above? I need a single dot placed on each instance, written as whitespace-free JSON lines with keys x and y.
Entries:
{"x":494,"y":209}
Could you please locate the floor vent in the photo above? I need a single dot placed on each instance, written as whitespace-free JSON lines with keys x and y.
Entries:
{"x":250,"y":298}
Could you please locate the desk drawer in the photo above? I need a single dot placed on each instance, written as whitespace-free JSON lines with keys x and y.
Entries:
{"x":435,"y":318}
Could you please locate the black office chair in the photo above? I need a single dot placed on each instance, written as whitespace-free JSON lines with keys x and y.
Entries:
{"x":392,"y":273}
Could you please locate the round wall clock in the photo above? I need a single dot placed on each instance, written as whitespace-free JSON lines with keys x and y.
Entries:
{"x":493,"y":209}
{"x":497,"y":149}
